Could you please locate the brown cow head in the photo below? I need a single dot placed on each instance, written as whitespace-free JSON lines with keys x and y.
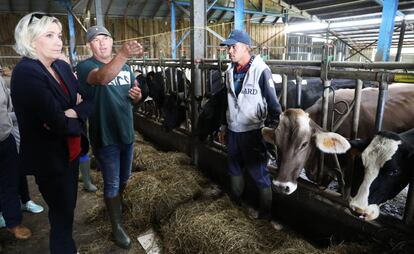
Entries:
{"x":296,"y":139}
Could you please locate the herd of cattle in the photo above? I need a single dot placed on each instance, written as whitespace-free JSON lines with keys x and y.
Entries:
{"x":382,"y":168}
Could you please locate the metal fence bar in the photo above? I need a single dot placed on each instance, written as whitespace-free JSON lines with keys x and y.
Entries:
{"x":383,"y":72}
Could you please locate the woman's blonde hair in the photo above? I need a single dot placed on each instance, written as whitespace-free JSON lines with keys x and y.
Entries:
{"x":29,"y":28}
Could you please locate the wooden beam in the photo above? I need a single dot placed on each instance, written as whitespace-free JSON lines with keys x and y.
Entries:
{"x":134,"y":29}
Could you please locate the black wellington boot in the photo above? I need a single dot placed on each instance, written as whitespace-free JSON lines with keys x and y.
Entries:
{"x":265,"y":203}
{"x":119,"y":234}
{"x":236,"y":188}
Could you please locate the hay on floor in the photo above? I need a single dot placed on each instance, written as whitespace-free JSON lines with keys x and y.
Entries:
{"x":154,"y":195}
{"x":219,"y":227}
{"x":146,"y":157}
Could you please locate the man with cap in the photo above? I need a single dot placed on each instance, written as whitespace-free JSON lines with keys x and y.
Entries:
{"x":252,"y":101}
{"x":111,"y":84}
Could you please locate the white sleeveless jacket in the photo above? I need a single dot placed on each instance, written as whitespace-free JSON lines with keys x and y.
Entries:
{"x":248,"y":111}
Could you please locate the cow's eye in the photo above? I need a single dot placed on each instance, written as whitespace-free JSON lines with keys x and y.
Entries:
{"x":304,"y":144}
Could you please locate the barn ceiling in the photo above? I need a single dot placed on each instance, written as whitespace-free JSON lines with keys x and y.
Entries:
{"x":358,"y":35}
{"x":261,"y":11}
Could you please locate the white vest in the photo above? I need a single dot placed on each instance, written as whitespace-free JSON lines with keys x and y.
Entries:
{"x":248,"y":111}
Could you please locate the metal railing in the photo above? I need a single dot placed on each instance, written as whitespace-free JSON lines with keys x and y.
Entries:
{"x":382,"y":72}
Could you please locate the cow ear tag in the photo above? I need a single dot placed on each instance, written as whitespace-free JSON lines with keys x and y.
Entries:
{"x":269,"y":135}
{"x":330,"y":142}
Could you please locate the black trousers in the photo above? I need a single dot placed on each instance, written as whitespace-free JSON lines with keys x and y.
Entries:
{"x":24,"y":189}
{"x":60,"y":193}
{"x":9,"y":182}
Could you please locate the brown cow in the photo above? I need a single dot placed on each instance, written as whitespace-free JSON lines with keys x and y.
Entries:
{"x":398,"y":113}
{"x":297,"y":138}
{"x":297,"y":134}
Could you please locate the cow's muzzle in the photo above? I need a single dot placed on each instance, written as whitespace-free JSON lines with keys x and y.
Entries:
{"x":286,"y":188}
{"x":366,"y":213}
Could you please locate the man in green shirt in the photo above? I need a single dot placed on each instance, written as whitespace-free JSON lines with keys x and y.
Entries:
{"x":112,"y":86}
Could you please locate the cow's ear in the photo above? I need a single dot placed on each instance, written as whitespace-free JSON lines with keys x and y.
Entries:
{"x":269,"y":135}
{"x":359,"y":145}
{"x":330,"y":142}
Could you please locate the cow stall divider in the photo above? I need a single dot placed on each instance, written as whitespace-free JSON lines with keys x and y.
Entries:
{"x":210,"y":156}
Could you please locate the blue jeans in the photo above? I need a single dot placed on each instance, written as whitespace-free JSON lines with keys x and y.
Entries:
{"x":116,"y":164}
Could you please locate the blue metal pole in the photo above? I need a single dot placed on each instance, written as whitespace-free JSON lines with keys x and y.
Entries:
{"x":389,"y":11}
{"x":182,"y":39}
{"x":72,"y":39}
{"x":173,"y":40}
{"x":211,"y":5}
{"x":72,"y":36}
{"x":239,"y":14}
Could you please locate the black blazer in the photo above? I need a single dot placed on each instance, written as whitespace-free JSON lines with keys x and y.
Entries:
{"x":38,"y":99}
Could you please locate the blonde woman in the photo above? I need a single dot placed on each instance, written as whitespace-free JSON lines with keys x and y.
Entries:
{"x":51,"y":114}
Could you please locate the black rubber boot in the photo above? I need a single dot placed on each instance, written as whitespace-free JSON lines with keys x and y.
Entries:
{"x":236,"y":188}
{"x":119,"y":234}
{"x":265,"y":203}
{"x":121,"y":194}
{"x":85,"y":167}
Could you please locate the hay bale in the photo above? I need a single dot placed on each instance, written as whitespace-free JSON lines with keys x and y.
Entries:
{"x":220,"y":227}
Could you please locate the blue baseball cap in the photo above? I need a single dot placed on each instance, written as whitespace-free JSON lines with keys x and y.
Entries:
{"x":237,"y":36}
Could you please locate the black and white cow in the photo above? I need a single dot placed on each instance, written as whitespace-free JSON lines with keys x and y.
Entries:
{"x":398,"y":117}
{"x":212,"y":114}
{"x":155,"y":82}
{"x":387,"y":164}
{"x":172,"y":105}
{"x":142,"y":84}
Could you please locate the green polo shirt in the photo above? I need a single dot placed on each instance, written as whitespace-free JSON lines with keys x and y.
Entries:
{"x":111,"y":121}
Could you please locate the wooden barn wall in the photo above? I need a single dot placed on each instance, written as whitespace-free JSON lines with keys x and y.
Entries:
{"x":155,"y":36}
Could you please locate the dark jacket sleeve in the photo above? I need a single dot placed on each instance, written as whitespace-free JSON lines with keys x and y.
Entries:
{"x":33,"y":89}
{"x":269,"y":93}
